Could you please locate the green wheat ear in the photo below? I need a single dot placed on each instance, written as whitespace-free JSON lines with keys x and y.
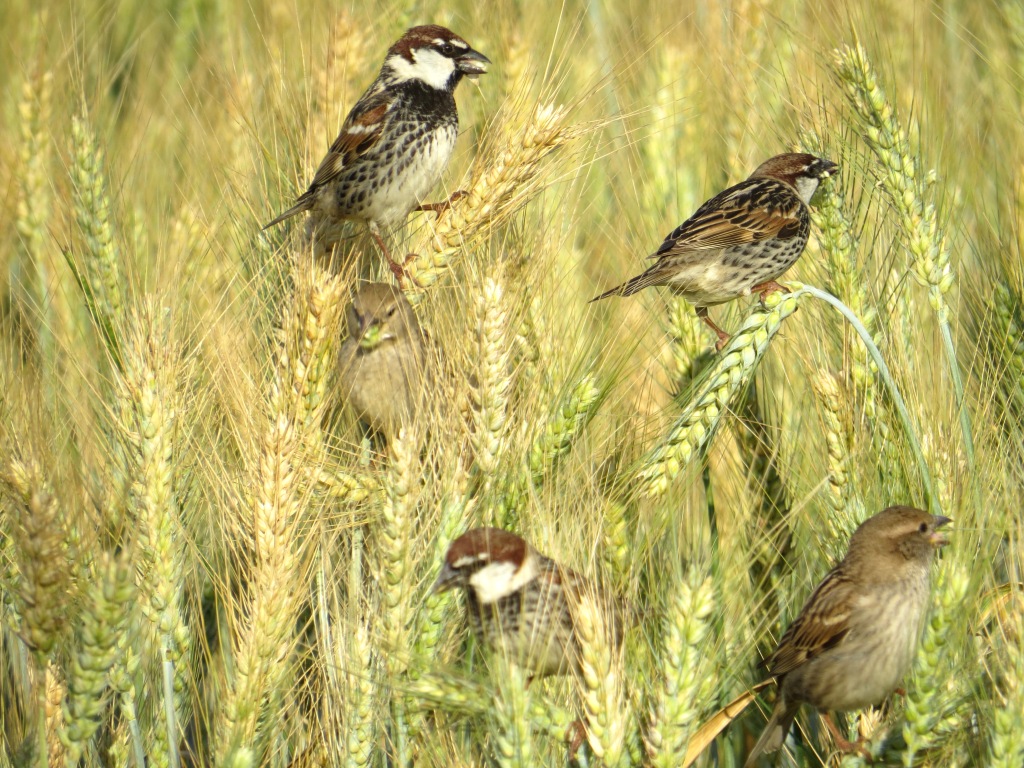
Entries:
{"x":104,"y":617}
{"x":358,"y":724}
{"x":568,"y":420}
{"x":907,"y":186}
{"x":99,"y":267}
{"x":1006,"y":742}
{"x":838,"y":429}
{"x":725,"y":378}
{"x":685,"y":680}
{"x":928,"y":697}
{"x":608,"y":712}
{"x":513,"y":728}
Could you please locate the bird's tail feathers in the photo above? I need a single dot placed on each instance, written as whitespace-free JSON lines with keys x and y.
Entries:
{"x":774,"y":733}
{"x":628,"y":288}
{"x":299,"y":207}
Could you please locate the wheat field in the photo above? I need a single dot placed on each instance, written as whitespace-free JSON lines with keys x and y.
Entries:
{"x":203,"y":560}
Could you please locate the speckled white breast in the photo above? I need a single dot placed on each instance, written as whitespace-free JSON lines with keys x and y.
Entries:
{"x":412,"y":178}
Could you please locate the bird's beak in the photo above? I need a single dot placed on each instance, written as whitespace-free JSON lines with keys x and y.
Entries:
{"x":445,"y":581}
{"x":472,"y":63}
{"x":830,"y":168}
{"x":371,"y":334}
{"x":937,"y":540}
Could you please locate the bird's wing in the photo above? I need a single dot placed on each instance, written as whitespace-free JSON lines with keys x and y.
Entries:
{"x":362,"y":129}
{"x":746,"y":213}
{"x":824,"y":621}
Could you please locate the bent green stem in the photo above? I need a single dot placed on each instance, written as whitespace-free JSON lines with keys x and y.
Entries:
{"x":890,"y":384}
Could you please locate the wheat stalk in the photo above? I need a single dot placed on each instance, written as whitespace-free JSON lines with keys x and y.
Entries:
{"x":395,"y":531}
{"x":100,"y":273}
{"x":41,"y":557}
{"x":513,"y":732}
{"x":148,"y":394}
{"x":489,"y":393}
{"x":1006,"y":741}
{"x":838,"y":437}
{"x":562,"y":427}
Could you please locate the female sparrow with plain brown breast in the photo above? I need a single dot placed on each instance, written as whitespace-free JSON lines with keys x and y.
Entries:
{"x":855,"y":638}
{"x":384,"y":366}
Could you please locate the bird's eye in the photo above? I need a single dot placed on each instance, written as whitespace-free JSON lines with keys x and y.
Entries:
{"x":448,"y":49}
{"x":923,"y":528}
{"x":391,"y":312}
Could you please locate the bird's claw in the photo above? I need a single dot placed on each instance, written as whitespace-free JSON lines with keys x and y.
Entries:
{"x":398,"y":270}
{"x":723,"y":337}
{"x":444,"y":205}
{"x":771,"y":286}
{"x":575,"y":734}
{"x":843,"y":744}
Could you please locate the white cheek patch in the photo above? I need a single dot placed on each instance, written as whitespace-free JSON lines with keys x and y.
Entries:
{"x":806,"y":187}
{"x":493,"y":582}
{"x":427,"y":65}
{"x":497,"y":580}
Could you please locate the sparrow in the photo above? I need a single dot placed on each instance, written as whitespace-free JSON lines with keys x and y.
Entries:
{"x":383,"y":366}
{"x":521,"y":603}
{"x":855,"y":637}
{"x":740,"y":241}
{"x":397,"y":140}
